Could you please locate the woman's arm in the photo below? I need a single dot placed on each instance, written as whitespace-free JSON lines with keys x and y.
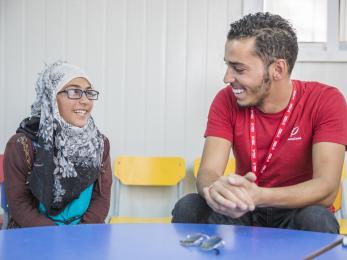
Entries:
{"x":100,"y":201}
{"x":22,"y":204}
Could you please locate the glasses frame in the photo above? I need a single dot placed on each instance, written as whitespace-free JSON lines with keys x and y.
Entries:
{"x":82,"y":92}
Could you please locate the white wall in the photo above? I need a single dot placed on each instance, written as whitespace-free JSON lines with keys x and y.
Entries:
{"x":331,"y":73}
{"x":157,"y":63}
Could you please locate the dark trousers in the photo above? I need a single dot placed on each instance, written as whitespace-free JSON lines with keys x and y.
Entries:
{"x":193,"y":209}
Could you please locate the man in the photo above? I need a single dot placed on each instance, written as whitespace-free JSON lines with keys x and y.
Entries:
{"x":288,"y":138}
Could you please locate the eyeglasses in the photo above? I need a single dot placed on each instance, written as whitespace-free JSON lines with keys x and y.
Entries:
{"x":203,"y":241}
{"x":75,"y":93}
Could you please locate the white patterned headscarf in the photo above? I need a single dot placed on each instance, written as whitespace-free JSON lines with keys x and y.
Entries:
{"x":67,"y":158}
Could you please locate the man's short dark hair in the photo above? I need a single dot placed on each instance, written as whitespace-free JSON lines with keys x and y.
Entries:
{"x":274,"y":36}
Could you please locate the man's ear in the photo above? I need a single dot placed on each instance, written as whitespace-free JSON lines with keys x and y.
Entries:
{"x":279,"y":69}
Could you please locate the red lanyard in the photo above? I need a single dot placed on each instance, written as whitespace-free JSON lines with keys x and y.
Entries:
{"x":280,"y":130}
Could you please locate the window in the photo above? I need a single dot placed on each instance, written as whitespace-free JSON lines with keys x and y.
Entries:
{"x":321,"y":25}
{"x":310,"y":24}
{"x":343,"y":20}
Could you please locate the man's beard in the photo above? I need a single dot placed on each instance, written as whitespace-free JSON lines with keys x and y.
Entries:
{"x":265,"y":85}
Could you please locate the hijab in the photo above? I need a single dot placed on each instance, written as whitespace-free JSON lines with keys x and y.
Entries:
{"x":67,"y":158}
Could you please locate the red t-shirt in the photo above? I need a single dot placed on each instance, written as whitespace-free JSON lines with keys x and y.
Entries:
{"x":319,"y":115}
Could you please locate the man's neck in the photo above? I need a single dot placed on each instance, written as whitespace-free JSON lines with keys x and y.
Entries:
{"x":278,"y":98}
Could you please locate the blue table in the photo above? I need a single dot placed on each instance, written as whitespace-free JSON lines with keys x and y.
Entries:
{"x":156,"y":241}
{"x":337,"y":253}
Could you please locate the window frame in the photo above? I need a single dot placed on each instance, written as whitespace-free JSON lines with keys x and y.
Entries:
{"x":330,"y":51}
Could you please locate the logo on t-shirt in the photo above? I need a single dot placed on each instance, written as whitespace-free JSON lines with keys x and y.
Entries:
{"x":294,"y":135}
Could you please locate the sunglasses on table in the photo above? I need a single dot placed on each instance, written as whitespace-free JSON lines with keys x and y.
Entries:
{"x":76,"y":93}
{"x":203,"y":241}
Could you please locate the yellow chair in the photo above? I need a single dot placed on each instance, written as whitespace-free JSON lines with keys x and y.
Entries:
{"x":338,"y":201}
{"x":147,"y":171}
{"x":230,"y":168}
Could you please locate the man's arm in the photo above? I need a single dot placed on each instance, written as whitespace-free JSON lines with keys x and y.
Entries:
{"x":222,"y":197}
{"x":213,"y":162}
{"x":327,"y":161}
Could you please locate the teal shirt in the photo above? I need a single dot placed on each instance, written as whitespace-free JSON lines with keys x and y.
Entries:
{"x":73,"y":211}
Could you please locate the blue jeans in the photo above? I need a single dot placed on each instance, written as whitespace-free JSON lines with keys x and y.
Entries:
{"x":193,"y":209}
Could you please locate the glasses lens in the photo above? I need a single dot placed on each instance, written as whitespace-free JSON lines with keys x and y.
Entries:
{"x":212,"y":243}
{"x":74,"y":93}
{"x":193,"y":240}
{"x":92,"y":94}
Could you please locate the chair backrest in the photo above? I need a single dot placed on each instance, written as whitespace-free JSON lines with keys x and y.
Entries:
{"x":149,"y":171}
{"x":230,"y":168}
{"x":338,"y":199}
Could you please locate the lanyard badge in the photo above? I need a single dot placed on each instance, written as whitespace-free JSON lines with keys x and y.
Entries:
{"x":258,"y":171}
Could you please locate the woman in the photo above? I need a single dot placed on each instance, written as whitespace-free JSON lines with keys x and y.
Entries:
{"x":57,"y":166}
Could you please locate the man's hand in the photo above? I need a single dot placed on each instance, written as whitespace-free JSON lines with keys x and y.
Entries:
{"x":246,"y":182}
{"x":228,"y":199}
